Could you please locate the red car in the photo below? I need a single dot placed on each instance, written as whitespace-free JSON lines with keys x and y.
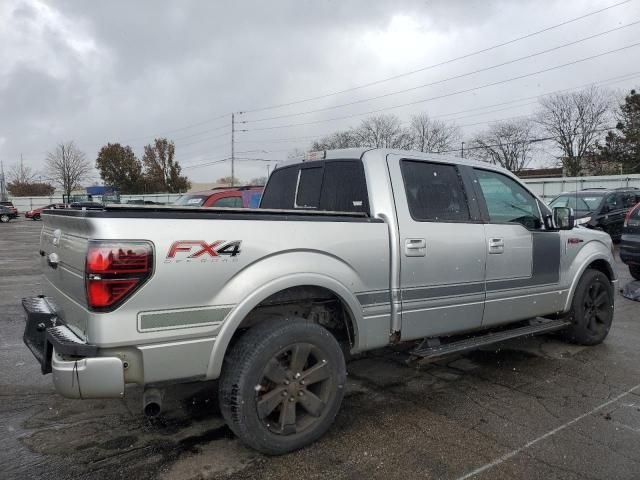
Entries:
{"x":231,"y":197}
{"x":36,"y":212}
{"x":13,"y":210}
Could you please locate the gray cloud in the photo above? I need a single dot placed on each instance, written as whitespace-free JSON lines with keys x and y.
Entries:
{"x":114,"y":71}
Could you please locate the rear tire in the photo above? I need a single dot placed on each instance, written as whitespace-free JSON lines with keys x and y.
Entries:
{"x":4,"y":218}
{"x":634,"y":270}
{"x":282,"y":384}
{"x":591,"y":309}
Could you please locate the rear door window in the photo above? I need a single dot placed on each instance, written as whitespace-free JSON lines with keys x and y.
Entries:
{"x":435,"y":192}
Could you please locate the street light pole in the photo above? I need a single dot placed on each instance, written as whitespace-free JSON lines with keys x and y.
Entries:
{"x":233,"y":131}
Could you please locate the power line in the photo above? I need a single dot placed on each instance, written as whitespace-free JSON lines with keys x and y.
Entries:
{"x":222,"y":160}
{"x":205,"y":139}
{"x":422,"y":69}
{"x":176,"y":129}
{"x":532,"y":140}
{"x":451,"y":94}
{"x":444,"y":80}
{"x":210,"y":162}
{"x":606,"y":81}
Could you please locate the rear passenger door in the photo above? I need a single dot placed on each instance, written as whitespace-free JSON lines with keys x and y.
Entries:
{"x":523,"y":259}
{"x":442,"y":247}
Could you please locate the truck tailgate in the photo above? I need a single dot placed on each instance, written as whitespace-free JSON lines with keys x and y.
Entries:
{"x":63,"y":247}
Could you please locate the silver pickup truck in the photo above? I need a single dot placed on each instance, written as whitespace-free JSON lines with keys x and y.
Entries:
{"x":351,"y":252}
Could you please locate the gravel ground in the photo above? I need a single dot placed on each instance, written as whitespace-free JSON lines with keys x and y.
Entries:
{"x":531,"y":408}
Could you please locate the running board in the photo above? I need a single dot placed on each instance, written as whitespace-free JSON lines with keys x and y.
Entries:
{"x":432,"y":348}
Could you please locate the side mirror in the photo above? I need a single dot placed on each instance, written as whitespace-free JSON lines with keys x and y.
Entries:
{"x":563,"y":218}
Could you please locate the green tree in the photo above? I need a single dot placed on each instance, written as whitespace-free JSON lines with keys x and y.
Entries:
{"x":161,"y":170}
{"x":621,"y":148}
{"x":119,"y":168}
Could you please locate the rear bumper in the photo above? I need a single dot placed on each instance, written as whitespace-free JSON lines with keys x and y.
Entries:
{"x":94,"y":377}
{"x":78,"y":370}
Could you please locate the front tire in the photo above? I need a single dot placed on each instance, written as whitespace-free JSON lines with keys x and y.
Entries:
{"x":36,"y":216}
{"x":634,"y":270}
{"x":591,"y":311}
{"x":282,"y":384}
{"x":4,"y":218}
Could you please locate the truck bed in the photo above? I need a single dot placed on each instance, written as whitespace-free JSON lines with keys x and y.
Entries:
{"x":176,"y":211}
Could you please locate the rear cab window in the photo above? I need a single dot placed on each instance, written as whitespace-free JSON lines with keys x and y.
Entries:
{"x":331,"y":185}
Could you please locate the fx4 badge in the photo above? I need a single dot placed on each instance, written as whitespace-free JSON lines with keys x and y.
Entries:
{"x":199,"y":250}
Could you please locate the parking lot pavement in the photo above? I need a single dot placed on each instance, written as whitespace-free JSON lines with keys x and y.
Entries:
{"x":532,"y":408}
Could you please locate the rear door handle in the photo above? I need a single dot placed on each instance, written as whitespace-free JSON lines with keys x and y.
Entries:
{"x":496,"y":245}
{"x":415,"y":247}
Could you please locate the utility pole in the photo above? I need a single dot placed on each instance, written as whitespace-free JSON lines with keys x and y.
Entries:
{"x":3,"y":186}
{"x":233,"y":132}
{"x":462,"y":150}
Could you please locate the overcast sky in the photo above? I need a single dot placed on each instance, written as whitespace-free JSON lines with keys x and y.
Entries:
{"x":122,"y":71}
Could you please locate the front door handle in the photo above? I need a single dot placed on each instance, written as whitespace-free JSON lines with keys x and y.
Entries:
{"x":415,"y":247}
{"x":496,"y":245}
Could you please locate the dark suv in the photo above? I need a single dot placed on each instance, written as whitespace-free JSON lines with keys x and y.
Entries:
{"x":600,"y":208}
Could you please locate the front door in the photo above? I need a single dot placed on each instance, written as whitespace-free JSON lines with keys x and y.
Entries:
{"x":442,"y":247}
{"x":523,"y":259}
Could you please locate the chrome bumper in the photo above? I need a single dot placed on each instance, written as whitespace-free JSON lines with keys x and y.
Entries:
{"x":78,"y":369}
{"x":94,"y":377}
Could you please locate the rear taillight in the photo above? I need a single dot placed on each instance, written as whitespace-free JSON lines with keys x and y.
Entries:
{"x":629,"y":213}
{"x":114,"y":270}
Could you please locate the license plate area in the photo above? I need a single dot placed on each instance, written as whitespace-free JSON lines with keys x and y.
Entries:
{"x":39,"y":317}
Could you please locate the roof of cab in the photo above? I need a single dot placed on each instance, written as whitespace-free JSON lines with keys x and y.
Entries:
{"x":357,"y":153}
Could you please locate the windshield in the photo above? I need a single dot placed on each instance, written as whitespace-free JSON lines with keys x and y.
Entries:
{"x":579,"y":201}
{"x":191,"y":200}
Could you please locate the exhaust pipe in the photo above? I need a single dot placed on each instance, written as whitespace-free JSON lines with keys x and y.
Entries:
{"x":152,"y":402}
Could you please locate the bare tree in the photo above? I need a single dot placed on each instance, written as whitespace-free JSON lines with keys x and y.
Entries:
{"x":226,"y":181}
{"x":340,"y":139}
{"x":297,"y":154}
{"x":21,"y":174}
{"x":67,"y":166}
{"x":382,"y":131}
{"x":507,"y":144}
{"x":258,"y":181}
{"x":433,"y":136}
{"x":575,"y":121}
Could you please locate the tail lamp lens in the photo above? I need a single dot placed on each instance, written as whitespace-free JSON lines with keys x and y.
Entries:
{"x":629,"y":213}
{"x":114,"y":271}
